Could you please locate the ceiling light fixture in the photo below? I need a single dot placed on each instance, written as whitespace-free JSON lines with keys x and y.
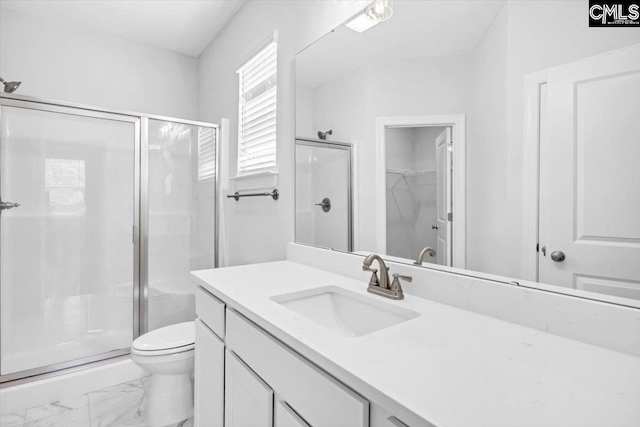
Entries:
{"x":380,"y":10}
{"x":361,"y":23}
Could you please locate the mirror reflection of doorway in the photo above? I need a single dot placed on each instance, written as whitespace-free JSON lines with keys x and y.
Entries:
{"x":418,"y":192}
{"x":323,"y":194}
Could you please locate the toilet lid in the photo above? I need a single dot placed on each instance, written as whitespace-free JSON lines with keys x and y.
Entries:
{"x":180,"y":337}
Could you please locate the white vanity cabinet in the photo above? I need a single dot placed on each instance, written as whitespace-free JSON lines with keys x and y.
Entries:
{"x":285,"y":416}
{"x":209,"y":361}
{"x":209,"y":381}
{"x":248,"y":399}
{"x":261,"y":382}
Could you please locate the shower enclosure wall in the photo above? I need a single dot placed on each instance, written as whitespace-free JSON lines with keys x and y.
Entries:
{"x":323,"y":194}
{"x":103,"y":216}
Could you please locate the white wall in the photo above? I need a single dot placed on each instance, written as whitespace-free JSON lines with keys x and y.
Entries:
{"x":486,"y":152}
{"x":304,"y":112}
{"x":59,"y":61}
{"x":258,"y":228}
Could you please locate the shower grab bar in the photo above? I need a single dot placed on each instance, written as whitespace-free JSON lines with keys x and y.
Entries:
{"x":275,"y":194}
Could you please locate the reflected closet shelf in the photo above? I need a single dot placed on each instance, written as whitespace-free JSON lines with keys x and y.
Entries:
{"x":410,"y":172}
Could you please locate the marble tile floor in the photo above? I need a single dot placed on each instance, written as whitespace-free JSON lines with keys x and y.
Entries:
{"x":123,"y":405}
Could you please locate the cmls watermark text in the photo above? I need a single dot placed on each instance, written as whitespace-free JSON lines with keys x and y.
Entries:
{"x":614,"y":14}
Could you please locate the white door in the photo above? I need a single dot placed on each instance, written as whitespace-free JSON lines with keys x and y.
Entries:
{"x":443,"y":192}
{"x":590,"y":175}
{"x":248,"y":399}
{"x":209,"y":378}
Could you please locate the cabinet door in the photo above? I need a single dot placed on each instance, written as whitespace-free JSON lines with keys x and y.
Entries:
{"x":209,"y":378}
{"x":248,"y":399}
{"x":287,"y":417}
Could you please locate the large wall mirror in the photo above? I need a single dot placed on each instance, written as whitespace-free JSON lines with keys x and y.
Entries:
{"x":502,"y":135}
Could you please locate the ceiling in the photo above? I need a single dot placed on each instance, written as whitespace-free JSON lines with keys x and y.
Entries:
{"x":185,"y":26}
{"x":417,"y":29}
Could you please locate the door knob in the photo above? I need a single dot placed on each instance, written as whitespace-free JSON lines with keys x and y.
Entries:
{"x":557,"y":256}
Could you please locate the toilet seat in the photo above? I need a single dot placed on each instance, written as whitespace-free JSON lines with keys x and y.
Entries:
{"x":167,"y":340}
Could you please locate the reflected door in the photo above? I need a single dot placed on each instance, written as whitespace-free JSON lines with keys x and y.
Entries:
{"x":590,"y":176}
{"x":67,"y":257}
{"x":443,"y":159}
{"x":323,"y":194}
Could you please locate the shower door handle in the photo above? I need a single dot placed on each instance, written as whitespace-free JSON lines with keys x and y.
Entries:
{"x":8,"y":205}
{"x":325,"y":204}
{"x":434,"y":227}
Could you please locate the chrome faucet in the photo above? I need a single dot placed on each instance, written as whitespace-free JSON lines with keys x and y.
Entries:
{"x":381,"y":286}
{"x":426,"y":250}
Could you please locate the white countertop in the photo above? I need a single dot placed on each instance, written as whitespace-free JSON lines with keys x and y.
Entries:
{"x":449,"y":367}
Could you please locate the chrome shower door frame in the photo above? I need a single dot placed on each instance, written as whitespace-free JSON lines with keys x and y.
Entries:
{"x":141,"y":223}
{"x":336,"y":145}
{"x":74,"y":111}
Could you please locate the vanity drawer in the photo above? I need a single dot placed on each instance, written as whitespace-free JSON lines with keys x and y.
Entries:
{"x":210,"y":310}
{"x":317,"y":397}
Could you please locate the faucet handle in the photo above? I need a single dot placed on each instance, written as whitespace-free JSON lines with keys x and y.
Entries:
{"x":395,"y":285}
{"x":374,"y":276}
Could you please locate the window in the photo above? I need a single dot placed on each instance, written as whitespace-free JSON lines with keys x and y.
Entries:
{"x":65,"y":182}
{"x":257,"y":112}
{"x":206,"y":154}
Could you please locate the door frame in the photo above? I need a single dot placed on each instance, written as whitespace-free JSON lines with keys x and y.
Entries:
{"x":458,"y":137}
{"x":531,"y":166}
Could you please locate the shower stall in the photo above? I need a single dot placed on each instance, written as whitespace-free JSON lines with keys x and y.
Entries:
{"x":323,"y":194}
{"x":103,"y":214}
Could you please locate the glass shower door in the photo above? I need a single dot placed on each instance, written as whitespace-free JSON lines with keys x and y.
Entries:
{"x":181,"y":225}
{"x":68,"y":259}
{"x":323,"y":194}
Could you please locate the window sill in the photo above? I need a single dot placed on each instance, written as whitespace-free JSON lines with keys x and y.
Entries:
{"x":265,"y":180}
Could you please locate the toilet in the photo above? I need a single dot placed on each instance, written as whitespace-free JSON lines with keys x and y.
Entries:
{"x":168,"y":353}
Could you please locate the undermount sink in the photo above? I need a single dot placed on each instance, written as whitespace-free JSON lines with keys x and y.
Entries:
{"x":344,"y":312}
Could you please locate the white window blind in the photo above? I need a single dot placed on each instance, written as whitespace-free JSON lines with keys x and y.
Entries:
{"x":206,"y":153}
{"x":257,"y":114}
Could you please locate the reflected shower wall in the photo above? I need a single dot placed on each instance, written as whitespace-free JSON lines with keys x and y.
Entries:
{"x":182,"y":172}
